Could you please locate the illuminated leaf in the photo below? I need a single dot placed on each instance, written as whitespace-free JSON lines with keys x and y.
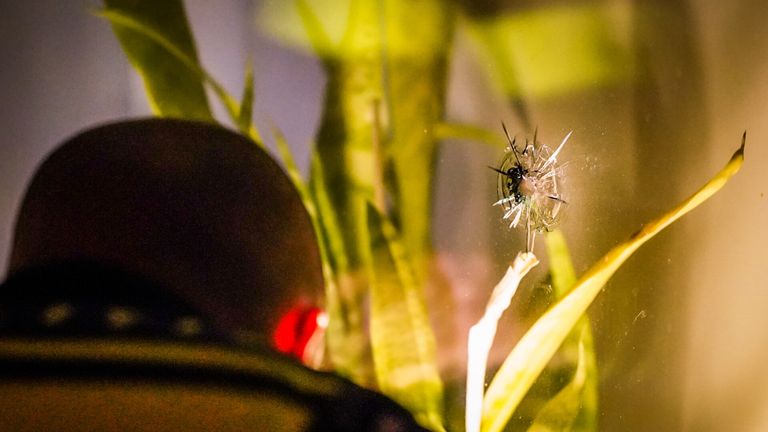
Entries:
{"x":384,"y":90}
{"x":346,"y":335}
{"x":148,"y":31}
{"x":245,"y":112}
{"x":346,"y":359}
{"x":481,"y":336}
{"x":536,"y":347}
{"x":551,"y":49}
{"x":286,"y":21}
{"x":402,"y":339}
{"x":578,"y":348}
{"x":418,"y":46}
{"x":318,"y":38}
{"x":458,"y":131}
{"x":560,"y":412}
{"x":158,"y":42}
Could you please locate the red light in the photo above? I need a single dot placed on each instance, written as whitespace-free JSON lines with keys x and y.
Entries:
{"x":296,"y":329}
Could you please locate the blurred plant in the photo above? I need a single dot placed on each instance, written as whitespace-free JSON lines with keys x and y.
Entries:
{"x":371,"y":182}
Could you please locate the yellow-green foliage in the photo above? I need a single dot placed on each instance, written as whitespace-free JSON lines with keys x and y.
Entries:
{"x":372,"y":173}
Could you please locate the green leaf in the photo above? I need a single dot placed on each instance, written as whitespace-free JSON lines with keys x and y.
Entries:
{"x":346,"y":336}
{"x":244,"y":122}
{"x":551,"y":49}
{"x":321,"y":42}
{"x":328,"y":216}
{"x":342,"y":180}
{"x":560,"y":265}
{"x":418,"y":44}
{"x":286,"y":21}
{"x":367,"y":134}
{"x":402,"y":339}
{"x":578,"y":346}
{"x":393,"y":55}
{"x":345,"y":138}
{"x":346,"y":358}
{"x":467,"y":132}
{"x":158,"y":42}
{"x":147,"y":31}
{"x":536,"y":347}
{"x":559,"y":413}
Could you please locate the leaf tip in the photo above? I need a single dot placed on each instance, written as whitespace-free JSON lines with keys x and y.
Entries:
{"x":740,"y":151}
{"x":738,"y":156}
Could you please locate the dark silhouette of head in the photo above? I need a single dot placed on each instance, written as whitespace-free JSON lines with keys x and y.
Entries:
{"x":196,"y":209}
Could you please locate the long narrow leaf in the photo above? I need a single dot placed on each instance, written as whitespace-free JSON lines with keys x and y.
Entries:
{"x":341,"y":180}
{"x":346,"y":336}
{"x":145,"y":30}
{"x":481,"y":336}
{"x":401,"y":336}
{"x":459,"y":131}
{"x":337,"y":320}
{"x":536,"y":347}
{"x":578,"y":346}
{"x":318,"y":37}
{"x":417,"y":47}
{"x":148,"y":46}
{"x":559,"y":414}
{"x":345,"y":365}
{"x":245,"y":112}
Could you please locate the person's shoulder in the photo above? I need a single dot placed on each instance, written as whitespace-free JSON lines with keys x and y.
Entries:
{"x":84,"y":346}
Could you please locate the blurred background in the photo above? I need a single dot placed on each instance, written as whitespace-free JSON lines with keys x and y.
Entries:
{"x":657,"y":93}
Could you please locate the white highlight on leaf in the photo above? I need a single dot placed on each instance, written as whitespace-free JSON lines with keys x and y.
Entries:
{"x":481,"y":336}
